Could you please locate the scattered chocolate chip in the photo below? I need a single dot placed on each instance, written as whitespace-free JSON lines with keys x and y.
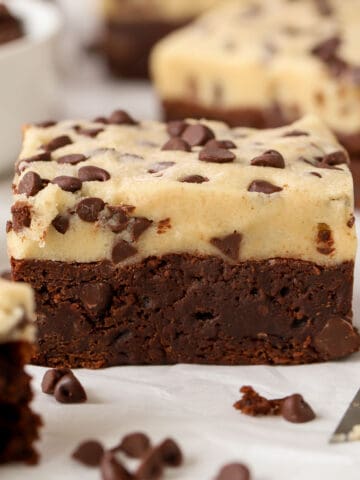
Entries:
{"x":216,"y":155}
{"x":227,"y":144}
{"x":335,"y":158}
{"x":326,"y":50}
{"x":96,"y":297}
{"x":89,"y":209}
{"x":151,"y":467}
{"x":69,"y":390}
{"x":112,"y":469}
{"x":61,"y":223}
{"x":254,"y":404}
{"x":139,"y":226}
{"x":135,"y":445}
{"x":21,"y":216}
{"x":120,"y":117}
{"x":40,"y":157}
{"x":51,"y":378}
{"x":194,"y":179}
{"x":93,"y":174}
{"x":316,"y":174}
{"x":103,"y":120}
{"x":261,"y":186}
{"x":270,"y":158}
{"x":176,"y":143}
{"x":30,"y":184}
{"x":68,"y":184}
{"x":296,"y":133}
{"x":196,"y":135}
{"x":159,"y":167}
{"x":88,"y":132}
{"x":171,"y":453}
{"x":228,"y":245}
{"x":176,"y":128}
{"x":72,"y":159}
{"x":57,"y":143}
{"x":6,"y":275}
{"x":234,"y":471}
{"x":351,"y":221}
{"x":337,"y":338}
{"x":46,"y":124}
{"x":295,"y":410}
{"x":89,"y":453}
{"x":116,"y":218}
{"x":122,"y":250}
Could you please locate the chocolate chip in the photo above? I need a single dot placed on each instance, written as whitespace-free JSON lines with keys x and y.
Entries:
{"x":72,"y":159}
{"x":335,"y":158}
{"x":112,"y":469}
{"x":69,"y":390}
{"x":61,"y":223}
{"x":57,"y":143}
{"x":196,"y":135}
{"x":234,"y":471}
{"x":93,"y":174}
{"x":96,"y":297}
{"x":88,"y":132}
{"x":296,"y":133}
{"x":261,"y":186}
{"x":103,"y":120}
{"x":326,"y":50}
{"x":21,"y":216}
{"x":120,"y":117}
{"x":270,"y":158}
{"x":46,"y":124}
{"x":116,"y":218}
{"x":194,"y":179}
{"x":351,"y":221}
{"x":177,"y":143}
{"x":6,"y":275}
{"x":89,"y":453}
{"x":89,"y":209}
{"x":160,"y":166}
{"x":9,"y":226}
{"x":151,"y":467}
{"x":122,"y":250}
{"x":40,"y":157}
{"x":316,"y":174}
{"x":216,"y":155}
{"x":227,"y":144}
{"x":295,"y":410}
{"x":176,"y":128}
{"x":337,"y":338}
{"x":68,"y":184}
{"x":51,"y":378}
{"x":135,"y":445}
{"x":228,"y":245}
{"x":30,"y":184}
{"x":139,"y":226}
{"x":171,"y":453}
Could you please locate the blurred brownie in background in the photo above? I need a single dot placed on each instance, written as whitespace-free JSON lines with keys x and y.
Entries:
{"x":11,"y":28}
{"x":132,"y":27}
{"x":264,"y":64}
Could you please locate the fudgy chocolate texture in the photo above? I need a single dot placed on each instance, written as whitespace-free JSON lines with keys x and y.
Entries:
{"x":18,"y":424}
{"x":127,"y":45}
{"x":184,"y":308}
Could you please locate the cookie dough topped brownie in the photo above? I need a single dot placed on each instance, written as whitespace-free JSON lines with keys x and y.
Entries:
{"x":262,"y":64}
{"x":11,"y":28}
{"x":18,"y":424}
{"x":185,"y":242}
{"x":132,"y":27}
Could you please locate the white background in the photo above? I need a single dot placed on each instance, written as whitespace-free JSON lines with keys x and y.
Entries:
{"x":191,"y":403}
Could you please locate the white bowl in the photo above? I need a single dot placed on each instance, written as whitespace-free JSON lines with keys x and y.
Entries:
{"x":28,"y":78}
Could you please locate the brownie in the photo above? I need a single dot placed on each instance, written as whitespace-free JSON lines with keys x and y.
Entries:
{"x":264,"y":64}
{"x":18,"y":424}
{"x":131,"y":29}
{"x":11,"y":27}
{"x":152,"y":243}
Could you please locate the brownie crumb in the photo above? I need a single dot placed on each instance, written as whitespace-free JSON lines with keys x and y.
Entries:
{"x":255,"y":405}
{"x":163,"y":226}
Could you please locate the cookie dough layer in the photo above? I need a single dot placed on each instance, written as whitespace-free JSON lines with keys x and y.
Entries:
{"x":251,"y":55}
{"x":192,"y":309}
{"x":148,"y":199}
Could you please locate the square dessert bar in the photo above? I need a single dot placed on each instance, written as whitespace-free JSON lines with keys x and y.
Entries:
{"x":261,"y":63}
{"x":11,"y":28}
{"x":18,"y":424}
{"x":131,"y":29}
{"x":152,"y":243}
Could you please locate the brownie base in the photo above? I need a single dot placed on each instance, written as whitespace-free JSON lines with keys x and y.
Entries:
{"x":188,"y":309}
{"x":19,"y":426}
{"x":255,"y":118}
{"x":127,"y":45}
